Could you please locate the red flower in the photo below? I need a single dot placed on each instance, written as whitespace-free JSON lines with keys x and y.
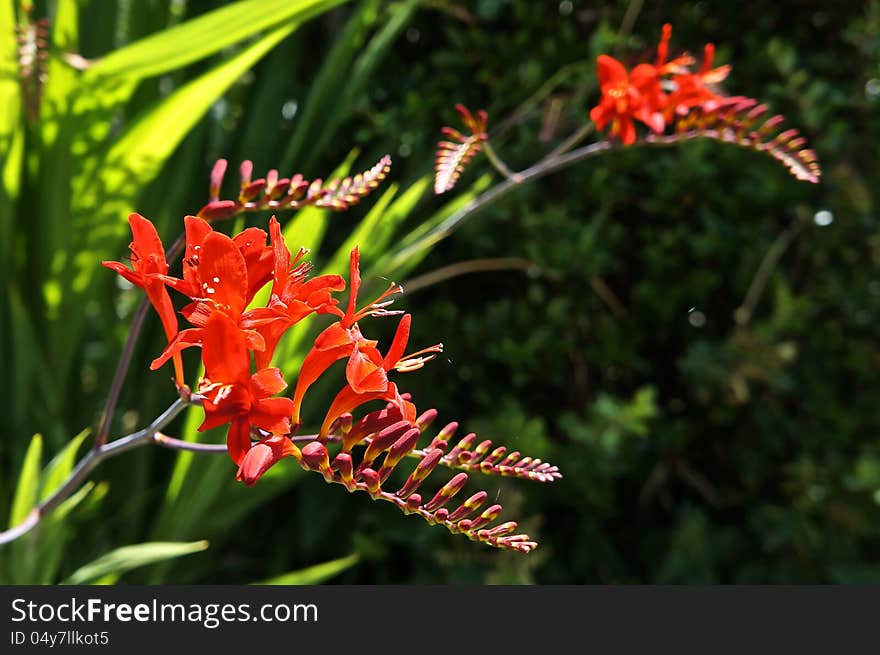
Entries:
{"x":147,"y":272}
{"x":293,"y":296}
{"x":695,"y":89}
{"x":340,"y":339}
{"x":215,"y":276}
{"x":626,"y":97}
{"x":262,"y":456}
{"x":367,"y":374}
{"x":232,"y":395}
{"x":654,"y":93}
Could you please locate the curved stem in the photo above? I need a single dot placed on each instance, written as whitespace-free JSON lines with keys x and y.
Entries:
{"x":771,"y":258}
{"x":537,"y":171}
{"x":498,"y":163}
{"x":462,"y":268}
{"x":121,"y":368}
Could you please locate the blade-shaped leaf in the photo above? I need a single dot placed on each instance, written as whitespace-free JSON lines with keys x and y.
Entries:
{"x":313,"y":574}
{"x":59,"y":468}
{"x":203,"y":36}
{"x":28,"y":487}
{"x":131,"y":557}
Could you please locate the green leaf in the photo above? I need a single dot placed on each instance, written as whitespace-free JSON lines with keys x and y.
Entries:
{"x":412,"y":249}
{"x":59,"y":468}
{"x":342,"y":78}
{"x":313,"y":574}
{"x":131,"y":557}
{"x":28,"y":482}
{"x":11,"y":131}
{"x":203,"y":36}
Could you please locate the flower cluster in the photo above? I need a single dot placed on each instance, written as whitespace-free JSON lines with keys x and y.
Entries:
{"x":654,"y":94}
{"x":221,"y":276}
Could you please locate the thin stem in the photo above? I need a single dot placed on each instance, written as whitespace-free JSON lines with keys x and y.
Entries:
{"x":629,"y":18}
{"x":774,"y":253}
{"x":462,"y":268}
{"x":498,"y":163}
{"x":121,"y":369}
{"x":576,"y":137}
{"x":525,"y":108}
{"x":537,"y":171}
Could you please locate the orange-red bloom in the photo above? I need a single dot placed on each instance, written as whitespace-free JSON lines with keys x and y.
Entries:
{"x":627,"y":96}
{"x":232,"y":395}
{"x":293,"y":296}
{"x":342,"y":338}
{"x":654,"y":94}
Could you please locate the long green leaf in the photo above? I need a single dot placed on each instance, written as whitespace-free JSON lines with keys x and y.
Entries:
{"x":201,"y":37}
{"x":130,"y":557}
{"x":313,"y":574}
{"x":11,"y":131}
{"x":28,"y":488}
{"x":343,"y":77}
{"x":61,"y":465}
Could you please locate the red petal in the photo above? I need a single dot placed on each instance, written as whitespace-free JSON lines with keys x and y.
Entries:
{"x":313,"y":366}
{"x":364,"y":371}
{"x":398,"y":346}
{"x":348,"y":399}
{"x":223,"y":273}
{"x":354,"y":286}
{"x":224,"y":403}
{"x":267,"y":382}
{"x":185,"y":339}
{"x":272,"y":414}
{"x":282,"y":256}
{"x":238,"y":439}
{"x":224,"y":351}
{"x":262,"y":456}
{"x":146,"y":246}
{"x":131,"y":276}
{"x":610,"y":71}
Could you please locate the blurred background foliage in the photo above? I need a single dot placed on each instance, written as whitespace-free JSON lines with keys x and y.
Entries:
{"x":694,"y":340}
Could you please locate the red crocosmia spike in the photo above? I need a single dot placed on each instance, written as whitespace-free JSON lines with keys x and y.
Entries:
{"x":148,"y":270}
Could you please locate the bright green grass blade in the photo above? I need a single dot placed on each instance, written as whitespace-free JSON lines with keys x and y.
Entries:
{"x":203,"y":36}
{"x":368,"y":61}
{"x":325,"y":89}
{"x":313,"y":574}
{"x":61,"y":78}
{"x":11,"y":131}
{"x":62,"y":464}
{"x":28,"y":488}
{"x":127,"y":558}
